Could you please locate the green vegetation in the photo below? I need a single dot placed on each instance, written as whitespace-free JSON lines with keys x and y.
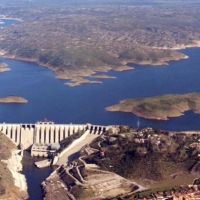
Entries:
{"x":69,"y":58}
{"x":82,"y":193}
{"x":148,"y":55}
{"x":160,"y":107}
{"x":154,"y":158}
{"x":78,"y":40}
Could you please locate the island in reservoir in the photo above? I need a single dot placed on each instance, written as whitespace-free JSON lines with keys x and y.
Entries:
{"x":3,"y":67}
{"x":12,"y":99}
{"x":160,"y":107}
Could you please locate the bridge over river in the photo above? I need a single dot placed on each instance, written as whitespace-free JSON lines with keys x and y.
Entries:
{"x":25,"y":135}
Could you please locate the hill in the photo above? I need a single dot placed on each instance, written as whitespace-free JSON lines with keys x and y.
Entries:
{"x":12,"y":99}
{"x":77,"y":40}
{"x":149,"y":56}
{"x":160,"y":107}
{"x":156,"y":159}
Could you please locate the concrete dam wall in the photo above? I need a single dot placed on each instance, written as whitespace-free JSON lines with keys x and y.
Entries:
{"x":25,"y":135}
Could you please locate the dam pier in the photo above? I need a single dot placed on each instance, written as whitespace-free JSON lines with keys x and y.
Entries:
{"x":40,"y":136}
{"x":25,"y":135}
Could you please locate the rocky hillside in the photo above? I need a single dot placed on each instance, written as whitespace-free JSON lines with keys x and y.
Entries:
{"x":154,"y":158}
{"x":8,"y":190}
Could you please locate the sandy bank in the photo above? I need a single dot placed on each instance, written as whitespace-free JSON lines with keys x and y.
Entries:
{"x":104,"y":76}
{"x":195,"y":43}
{"x":79,"y":76}
{"x":163,"y":61}
{"x":12,"y":99}
{"x":4,"y":67}
{"x":3,"y":17}
{"x":76,"y":76}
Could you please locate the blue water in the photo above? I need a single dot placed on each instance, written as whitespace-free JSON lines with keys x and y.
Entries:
{"x":34,"y":176}
{"x":50,"y":98}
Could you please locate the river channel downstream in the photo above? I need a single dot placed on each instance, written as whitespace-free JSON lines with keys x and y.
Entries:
{"x":49,"y":98}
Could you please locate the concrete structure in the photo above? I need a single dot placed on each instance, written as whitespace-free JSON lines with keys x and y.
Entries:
{"x":25,"y":135}
{"x":42,"y":150}
{"x":71,"y":151}
{"x":43,"y":163}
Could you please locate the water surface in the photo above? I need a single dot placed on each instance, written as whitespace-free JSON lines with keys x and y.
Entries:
{"x":7,"y":22}
{"x":50,"y":98}
{"x":34,"y":176}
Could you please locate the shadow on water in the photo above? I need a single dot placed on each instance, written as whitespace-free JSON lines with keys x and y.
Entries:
{"x":34,"y":176}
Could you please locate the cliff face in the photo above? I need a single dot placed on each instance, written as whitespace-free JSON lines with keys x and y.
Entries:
{"x":12,"y":184}
{"x":160,"y":107}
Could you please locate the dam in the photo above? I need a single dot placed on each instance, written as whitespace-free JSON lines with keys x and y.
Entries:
{"x":25,"y":135}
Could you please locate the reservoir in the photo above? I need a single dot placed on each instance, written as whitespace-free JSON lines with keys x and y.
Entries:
{"x":49,"y":98}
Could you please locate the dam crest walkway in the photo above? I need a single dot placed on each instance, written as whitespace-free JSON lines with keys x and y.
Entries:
{"x":25,"y":135}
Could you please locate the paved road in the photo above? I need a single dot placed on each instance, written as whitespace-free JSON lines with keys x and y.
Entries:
{"x":73,"y":152}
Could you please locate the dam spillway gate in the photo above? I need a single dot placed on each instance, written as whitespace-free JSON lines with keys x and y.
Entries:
{"x":25,"y":135}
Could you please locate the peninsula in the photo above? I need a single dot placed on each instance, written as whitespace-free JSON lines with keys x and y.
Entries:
{"x":160,"y":107}
{"x":3,"y":67}
{"x":12,"y":99}
{"x":98,"y":38}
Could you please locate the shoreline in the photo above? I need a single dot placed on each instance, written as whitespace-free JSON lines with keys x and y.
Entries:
{"x":12,"y":99}
{"x":82,"y":74}
{"x":161,"y":107}
{"x":181,"y":46}
{"x":3,"y":17}
{"x":163,"y":61}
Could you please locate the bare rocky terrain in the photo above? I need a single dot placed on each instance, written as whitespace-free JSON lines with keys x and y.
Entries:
{"x":78,"y":180}
{"x":126,"y":163}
